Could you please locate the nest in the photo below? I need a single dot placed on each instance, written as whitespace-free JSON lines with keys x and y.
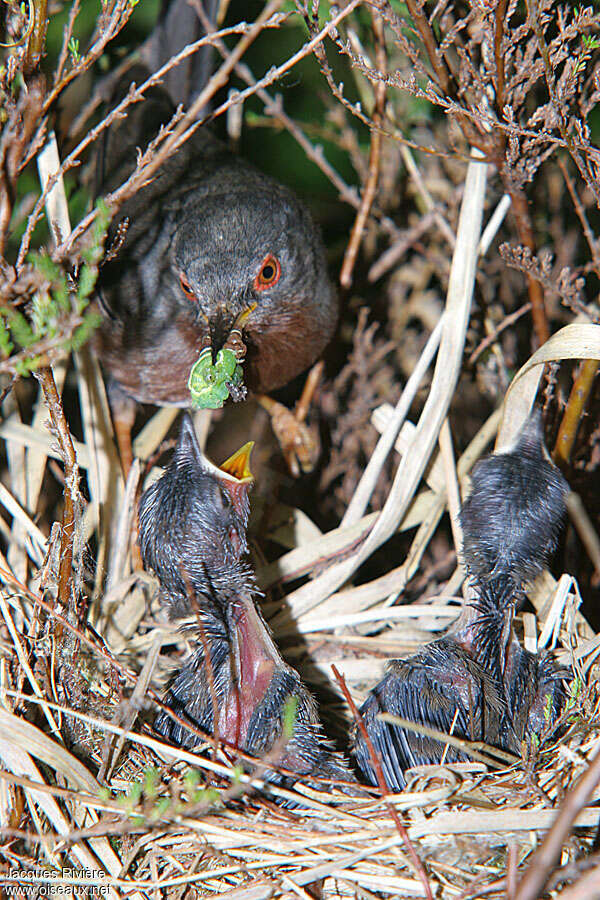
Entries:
{"x":90,"y":798}
{"x":142,"y":816}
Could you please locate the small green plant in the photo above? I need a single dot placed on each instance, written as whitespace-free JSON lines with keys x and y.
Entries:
{"x":147,"y":800}
{"x":56,"y":320}
{"x":73,"y":47}
{"x":590,"y":43}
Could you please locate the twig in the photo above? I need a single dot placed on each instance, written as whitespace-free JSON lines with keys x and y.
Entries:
{"x":498,"y":55}
{"x":587,"y":886}
{"x":71,"y":491}
{"x":585,"y":225}
{"x":374,"y":157}
{"x":491,"y":338}
{"x":134,"y":95}
{"x":563,"y":125}
{"x":542,"y":863}
{"x":187,"y":124}
{"x":37,"y":37}
{"x":580,"y":392}
{"x":106,"y":30}
{"x":308,"y":391}
{"x":445,"y":79}
{"x":534,"y":287}
{"x":68,"y":32}
{"x":382,"y":784}
{"x":274,"y":108}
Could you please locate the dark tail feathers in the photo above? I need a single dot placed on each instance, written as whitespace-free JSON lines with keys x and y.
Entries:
{"x":178,"y":25}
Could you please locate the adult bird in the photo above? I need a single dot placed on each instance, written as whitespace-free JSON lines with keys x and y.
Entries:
{"x":477,"y":683}
{"x":211,"y":254}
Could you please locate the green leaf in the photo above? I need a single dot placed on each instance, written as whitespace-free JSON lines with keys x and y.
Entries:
{"x":44,"y":315}
{"x":20,"y":328}
{"x":290,"y":711}
{"x":23,"y":367}
{"x":161,"y":808}
{"x":151,"y":782}
{"x":6,"y":345}
{"x":87,"y":280}
{"x":46,"y":266}
{"x":82,"y":333}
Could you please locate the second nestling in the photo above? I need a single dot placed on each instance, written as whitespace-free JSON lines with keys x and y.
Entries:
{"x":477,"y":683}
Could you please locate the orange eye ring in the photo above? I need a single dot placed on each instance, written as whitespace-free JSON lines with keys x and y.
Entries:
{"x":269,"y":273}
{"x":185,"y":287}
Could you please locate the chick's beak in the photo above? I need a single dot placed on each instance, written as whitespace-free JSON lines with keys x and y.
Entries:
{"x":238,"y":465}
{"x":239,"y":479}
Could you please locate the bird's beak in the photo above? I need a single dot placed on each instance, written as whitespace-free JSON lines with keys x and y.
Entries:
{"x":238,"y":465}
{"x":219,"y":326}
{"x":237,"y":479}
{"x":244,"y":315}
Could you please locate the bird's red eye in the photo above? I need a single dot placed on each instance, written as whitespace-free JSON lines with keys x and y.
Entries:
{"x":269,"y":273}
{"x":185,"y":287}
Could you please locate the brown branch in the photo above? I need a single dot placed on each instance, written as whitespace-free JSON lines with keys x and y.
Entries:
{"x":585,"y":225}
{"x":587,"y":886}
{"x":563,"y":125}
{"x":134,"y":95}
{"x":114,"y":21}
{"x":580,"y":392}
{"x":444,"y":77}
{"x":491,"y":338}
{"x":498,"y":55}
{"x":383,"y":786}
{"x":374,"y":157}
{"x":71,"y":492}
{"x":190,"y":123}
{"x":68,"y":32}
{"x":16,"y":134}
{"x":544,"y":859}
{"x":525,"y":232}
{"x":274,"y":108}
{"x":37,"y":37}
{"x":308,"y":391}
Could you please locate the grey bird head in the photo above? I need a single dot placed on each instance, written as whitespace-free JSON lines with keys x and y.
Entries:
{"x":245,"y":253}
{"x":513,"y":514}
{"x":193,"y":520}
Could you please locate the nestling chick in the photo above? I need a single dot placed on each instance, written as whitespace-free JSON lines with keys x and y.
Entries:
{"x":513,"y":515}
{"x":235,"y":683}
{"x":193,"y":522}
{"x":477,"y":683}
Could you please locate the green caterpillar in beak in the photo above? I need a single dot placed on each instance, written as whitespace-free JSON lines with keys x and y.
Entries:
{"x":210,"y":384}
